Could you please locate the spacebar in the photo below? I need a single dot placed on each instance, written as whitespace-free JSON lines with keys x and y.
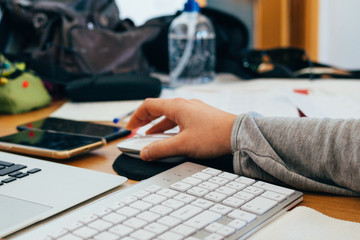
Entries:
{"x":11,"y":169}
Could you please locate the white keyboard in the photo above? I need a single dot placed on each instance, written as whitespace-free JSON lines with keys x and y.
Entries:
{"x":189,"y":202}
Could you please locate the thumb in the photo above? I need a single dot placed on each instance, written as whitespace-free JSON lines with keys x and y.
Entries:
{"x":162,"y":148}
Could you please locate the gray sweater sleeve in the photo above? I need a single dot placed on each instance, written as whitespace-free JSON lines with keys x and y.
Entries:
{"x":309,"y":154}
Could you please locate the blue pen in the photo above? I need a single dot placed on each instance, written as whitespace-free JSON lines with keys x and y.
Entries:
{"x":122,"y":117}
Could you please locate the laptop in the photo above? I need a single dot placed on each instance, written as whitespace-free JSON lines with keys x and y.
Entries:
{"x":32,"y":190}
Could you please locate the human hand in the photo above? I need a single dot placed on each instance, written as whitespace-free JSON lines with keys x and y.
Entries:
{"x":205,"y":131}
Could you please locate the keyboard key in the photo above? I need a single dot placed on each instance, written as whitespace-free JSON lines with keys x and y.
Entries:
{"x":7,"y":180}
{"x":203,"y":219}
{"x":233,"y":202}
{"x":186,"y":212}
{"x":154,"y":199}
{"x":153,"y":188}
{"x":228,"y":176}
{"x":85,"y":232}
{"x":202,"y":203}
{"x":141,"y":194}
{"x":114,"y":218}
{"x":222,"y":209}
{"x":185,"y":198}
{"x":169,"y":221}
{"x":73,"y":226}
{"x":274,"y":196}
{"x":129,"y":200}
{"x":214,"y":236}
{"x":226,"y":231}
{"x":34,"y":170}
{"x":180,"y":186}
{"x":148,"y":216}
{"x":161,"y":210}
{"x":211,"y":171}
{"x":142,"y":235}
{"x":106,"y":236}
{"x":242,"y":215}
{"x":156,"y":228}
{"x":101,"y":212}
{"x":183,"y":230}
{"x":259,"y":205}
{"x":236,"y":185}
{"x":14,"y":174}
{"x":6,"y":164}
{"x":209,"y":186}
{"x":121,"y":230}
{"x":135,"y":223}
{"x":58,"y":234}
{"x":203,"y":176}
{"x":245,"y":180}
{"x":21,"y":175}
{"x":69,"y":237}
{"x":88,"y":219}
{"x":245,"y":196}
{"x":273,"y":188}
{"x":253,"y":190}
{"x":226,"y":190}
{"x":213,"y":227}
{"x":192,"y":238}
{"x":174,"y":204}
{"x":192,"y":181}
{"x":128,"y":211}
{"x":100,"y":225}
{"x":219,"y":180}
{"x":166,"y":192}
{"x":11,"y":169}
{"x":237,"y":224}
{"x":197,"y":191}
{"x":215,"y":196}
{"x":141,"y":205}
{"x":170,"y":235}
{"x":115,"y":206}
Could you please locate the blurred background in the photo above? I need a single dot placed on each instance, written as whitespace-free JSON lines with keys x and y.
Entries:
{"x":327,"y":29}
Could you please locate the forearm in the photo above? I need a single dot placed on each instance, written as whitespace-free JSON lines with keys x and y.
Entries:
{"x":308,"y":154}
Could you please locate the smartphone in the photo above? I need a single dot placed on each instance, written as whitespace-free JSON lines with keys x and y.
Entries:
{"x":76,"y":127}
{"x":49,"y":144}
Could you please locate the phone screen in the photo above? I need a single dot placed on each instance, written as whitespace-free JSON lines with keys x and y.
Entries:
{"x":77,"y":127}
{"x":49,"y":140}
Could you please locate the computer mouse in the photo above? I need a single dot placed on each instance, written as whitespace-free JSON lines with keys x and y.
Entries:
{"x":133,"y":146}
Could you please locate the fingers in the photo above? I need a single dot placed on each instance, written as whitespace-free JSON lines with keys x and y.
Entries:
{"x":153,"y":108}
{"x":163,"y":148}
{"x":162,"y":126}
{"x":147,"y":112}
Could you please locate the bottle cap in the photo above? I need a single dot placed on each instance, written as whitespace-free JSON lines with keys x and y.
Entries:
{"x":191,"y":6}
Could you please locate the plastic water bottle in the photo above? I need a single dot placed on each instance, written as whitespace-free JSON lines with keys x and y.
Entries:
{"x":191,"y":47}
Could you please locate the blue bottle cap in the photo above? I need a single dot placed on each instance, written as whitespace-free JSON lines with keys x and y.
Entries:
{"x":191,"y":6}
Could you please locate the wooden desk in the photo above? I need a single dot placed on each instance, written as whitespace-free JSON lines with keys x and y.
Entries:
{"x":346,"y":208}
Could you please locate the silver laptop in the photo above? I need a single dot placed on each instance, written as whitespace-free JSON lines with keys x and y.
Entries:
{"x":32,"y":190}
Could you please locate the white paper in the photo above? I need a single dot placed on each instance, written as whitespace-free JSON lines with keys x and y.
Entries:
{"x":306,"y":223}
{"x":319,"y":105}
{"x":95,"y":111}
{"x":271,"y":102}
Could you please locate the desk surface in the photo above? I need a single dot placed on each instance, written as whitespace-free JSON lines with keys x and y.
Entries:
{"x":346,"y":208}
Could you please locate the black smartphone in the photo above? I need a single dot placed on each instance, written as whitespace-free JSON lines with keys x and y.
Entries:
{"x":49,"y":144}
{"x":76,"y":127}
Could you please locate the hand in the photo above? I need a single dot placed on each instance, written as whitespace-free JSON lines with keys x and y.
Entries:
{"x":205,"y":131}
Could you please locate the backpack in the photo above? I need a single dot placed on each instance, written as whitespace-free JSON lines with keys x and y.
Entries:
{"x":73,"y":38}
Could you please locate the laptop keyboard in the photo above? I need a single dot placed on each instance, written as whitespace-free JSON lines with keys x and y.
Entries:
{"x":188,"y":202}
{"x":10,"y":172}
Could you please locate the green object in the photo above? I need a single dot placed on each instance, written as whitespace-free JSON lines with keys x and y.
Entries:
{"x":20,"y":90}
